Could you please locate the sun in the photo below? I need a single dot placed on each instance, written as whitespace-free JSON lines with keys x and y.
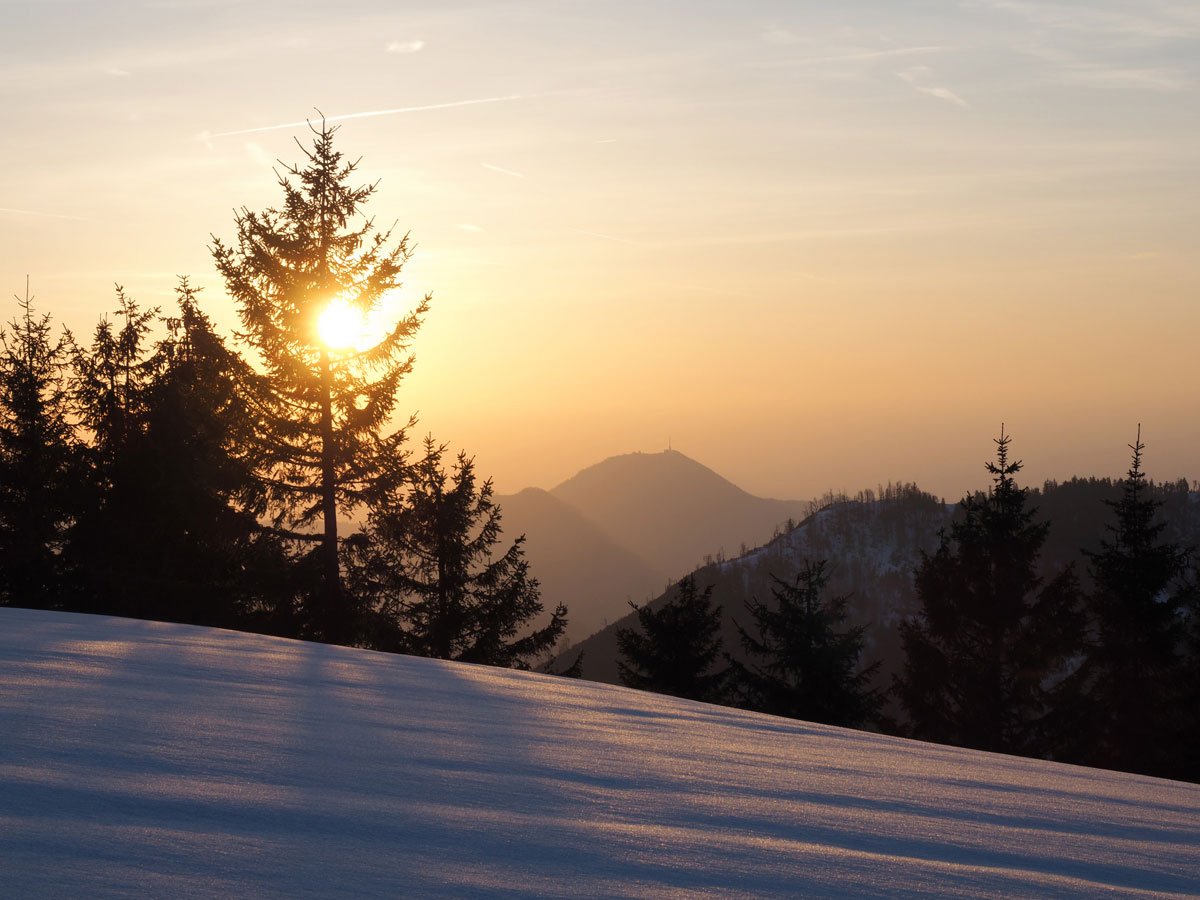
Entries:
{"x":341,"y":324}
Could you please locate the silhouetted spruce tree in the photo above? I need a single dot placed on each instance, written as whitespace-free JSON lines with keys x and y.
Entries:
{"x":677,"y":647}
{"x":323,"y":409}
{"x":1136,"y":675}
{"x":1189,"y":769}
{"x":110,"y":387}
{"x":167,"y":521}
{"x":38,"y":459}
{"x":426,"y":562}
{"x":205,"y":558}
{"x":573,"y":669}
{"x":989,"y":660}
{"x":803,"y":662}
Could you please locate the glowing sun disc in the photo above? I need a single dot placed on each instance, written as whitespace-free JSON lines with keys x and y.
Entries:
{"x":341,"y":325}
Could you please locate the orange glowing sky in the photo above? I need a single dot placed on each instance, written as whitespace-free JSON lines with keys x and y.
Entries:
{"x":813,"y":245}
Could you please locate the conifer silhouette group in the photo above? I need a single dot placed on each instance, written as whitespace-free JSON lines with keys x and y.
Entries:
{"x":159,"y":472}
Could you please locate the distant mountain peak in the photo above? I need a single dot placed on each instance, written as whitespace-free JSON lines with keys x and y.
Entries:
{"x":619,"y":530}
{"x":672,"y":509}
{"x":623,"y":470}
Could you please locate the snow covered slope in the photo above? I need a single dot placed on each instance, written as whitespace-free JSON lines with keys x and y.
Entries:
{"x":142,"y":759}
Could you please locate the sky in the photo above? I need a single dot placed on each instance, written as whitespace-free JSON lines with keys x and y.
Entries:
{"x":813,"y":246}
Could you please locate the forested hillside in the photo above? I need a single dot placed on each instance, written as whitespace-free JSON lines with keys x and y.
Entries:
{"x":873,"y":547}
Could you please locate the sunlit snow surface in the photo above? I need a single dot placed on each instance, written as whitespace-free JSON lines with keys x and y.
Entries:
{"x":142,"y":759}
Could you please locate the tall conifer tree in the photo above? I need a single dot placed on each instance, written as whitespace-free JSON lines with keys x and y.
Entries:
{"x":203,"y":556}
{"x":111,"y":386}
{"x":1136,"y":669}
{"x":803,"y":662}
{"x":427,"y":561}
{"x":677,"y":647}
{"x":1189,"y":768}
{"x":323,"y":408}
{"x":990,"y":651}
{"x":166,"y":519}
{"x":38,"y":459}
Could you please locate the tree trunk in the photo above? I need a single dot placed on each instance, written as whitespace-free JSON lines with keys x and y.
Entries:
{"x":334,"y":626}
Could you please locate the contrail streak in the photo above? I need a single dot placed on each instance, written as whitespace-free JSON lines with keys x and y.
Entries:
{"x":502,"y":171}
{"x":374,"y":112}
{"x":845,"y":57}
{"x":44,"y":215}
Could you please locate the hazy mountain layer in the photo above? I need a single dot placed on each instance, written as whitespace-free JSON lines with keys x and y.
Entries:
{"x":621,"y":530}
{"x":672,"y":510}
{"x":578,"y":563}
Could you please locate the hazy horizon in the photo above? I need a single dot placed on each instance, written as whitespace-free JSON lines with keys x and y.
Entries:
{"x":811,"y":248}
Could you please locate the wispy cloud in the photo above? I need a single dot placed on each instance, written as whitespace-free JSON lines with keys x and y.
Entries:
{"x":205,"y":135}
{"x":778,"y":35}
{"x":944,"y":94}
{"x":914,"y":76}
{"x":1148,"y":22}
{"x":785,"y":237}
{"x":405,"y":46}
{"x":259,"y":155}
{"x":43,"y":215}
{"x":1105,"y":69}
{"x":853,"y":56}
{"x":607,"y":237}
{"x":135,"y":60}
{"x":708,"y":289}
{"x":187,"y":4}
{"x":492,"y":168}
{"x":1157,"y":79}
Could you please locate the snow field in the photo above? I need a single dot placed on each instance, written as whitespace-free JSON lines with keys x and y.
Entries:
{"x":146,"y":759}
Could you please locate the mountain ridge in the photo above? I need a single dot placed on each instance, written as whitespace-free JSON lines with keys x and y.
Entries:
{"x":674,"y":508}
{"x":874,"y":542}
{"x":622,"y":529}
